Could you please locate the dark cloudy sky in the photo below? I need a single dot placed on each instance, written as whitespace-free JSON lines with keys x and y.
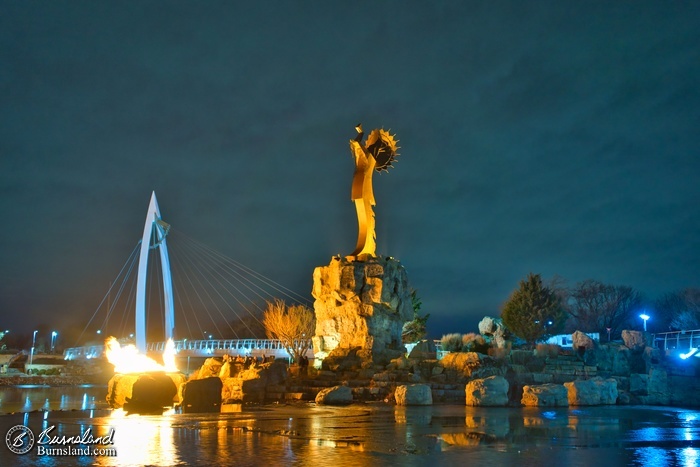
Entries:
{"x":560,"y":138}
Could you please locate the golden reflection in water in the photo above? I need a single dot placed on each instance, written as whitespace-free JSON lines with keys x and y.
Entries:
{"x":223,"y":447}
{"x":142,"y":440}
{"x":493,"y":425}
{"x":321,"y":438}
{"x":460,"y":439}
{"x":532,"y":422}
{"x":413,"y":415}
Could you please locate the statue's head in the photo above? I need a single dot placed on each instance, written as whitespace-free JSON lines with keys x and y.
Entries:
{"x":383,"y":148}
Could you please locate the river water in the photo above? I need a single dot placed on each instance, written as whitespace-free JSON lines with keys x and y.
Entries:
{"x":373,"y":434}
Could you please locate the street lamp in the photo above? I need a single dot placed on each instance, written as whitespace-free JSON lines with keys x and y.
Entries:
{"x":644,"y":317}
{"x":53,"y":340}
{"x":31,"y":354}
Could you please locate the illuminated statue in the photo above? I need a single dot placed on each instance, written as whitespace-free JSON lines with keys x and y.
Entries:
{"x":378,"y":152}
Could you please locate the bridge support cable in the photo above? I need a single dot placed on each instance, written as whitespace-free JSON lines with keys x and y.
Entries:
{"x":125,"y":327}
{"x":181,"y":290}
{"x":182,"y":272}
{"x":130,"y":260}
{"x":206,"y":289}
{"x":113,"y":303}
{"x":202,"y":266}
{"x":233,"y":266}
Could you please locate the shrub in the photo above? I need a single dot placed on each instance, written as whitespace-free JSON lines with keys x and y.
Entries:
{"x":451,"y":342}
{"x":474,"y":343}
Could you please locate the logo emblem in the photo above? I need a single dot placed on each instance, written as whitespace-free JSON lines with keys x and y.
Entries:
{"x":19,"y":439}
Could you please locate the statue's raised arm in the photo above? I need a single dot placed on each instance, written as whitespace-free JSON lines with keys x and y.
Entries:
{"x":378,"y":153}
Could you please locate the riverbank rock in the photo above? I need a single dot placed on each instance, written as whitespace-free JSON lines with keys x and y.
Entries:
{"x":413,"y":394}
{"x":121,"y":386}
{"x":337,"y":395}
{"x":494,"y":330}
{"x":251,"y":385}
{"x":634,"y":340}
{"x":581,"y":340}
{"x":460,"y":364}
{"x":595,"y":391}
{"x":424,"y":350}
{"x":545,"y":395}
{"x":150,"y":393}
{"x":487,"y":392}
{"x":202,"y":395}
{"x":210,"y":367}
{"x":361,"y":303}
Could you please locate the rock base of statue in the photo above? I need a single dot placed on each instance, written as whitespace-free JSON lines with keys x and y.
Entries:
{"x":361,"y":306}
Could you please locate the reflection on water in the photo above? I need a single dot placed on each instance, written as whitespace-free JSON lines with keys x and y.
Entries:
{"x":30,"y":398}
{"x":379,"y":434}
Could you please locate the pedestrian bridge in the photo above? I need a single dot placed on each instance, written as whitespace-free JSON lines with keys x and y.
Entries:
{"x":199,"y":348}
{"x":686,"y":342}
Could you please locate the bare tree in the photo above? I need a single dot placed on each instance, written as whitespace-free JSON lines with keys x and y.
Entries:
{"x":292,"y":325}
{"x":596,"y":306}
{"x":681,"y":309}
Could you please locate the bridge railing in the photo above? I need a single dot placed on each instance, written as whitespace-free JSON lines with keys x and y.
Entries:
{"x":677,"y":340}
{"x":220,"y":344}
{"x":83,"y":353}
{"x":209,"y":346}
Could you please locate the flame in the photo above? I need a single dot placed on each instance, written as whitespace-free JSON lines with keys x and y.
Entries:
{"x":127,"y":359}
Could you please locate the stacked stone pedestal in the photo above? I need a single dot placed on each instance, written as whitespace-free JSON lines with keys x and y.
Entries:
{"x":361,"y":306}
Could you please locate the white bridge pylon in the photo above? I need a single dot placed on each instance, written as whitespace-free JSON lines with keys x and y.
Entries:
{"x":153,"y":223}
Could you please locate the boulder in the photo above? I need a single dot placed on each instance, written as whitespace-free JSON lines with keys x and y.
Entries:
{"x":487,"y":392}
{"x":400,"y":363}
{"x":639,"y":384}
{"x":361,"y":303}
{"x":250,"y":385}
{"x":461,"y":363}
{"x":346,"y":359}
{"x":120,"y":387}
{"x":620,"y":361}
{"x":413,"y":394}
{"x":545,"y":395}
{"x":424,"y":350}
{"x":227,"y":370}
{"x":658,"y":391}
{"x":581,"y":340}
{"x":210,"y":367}
{"x":150,"y":394}
{"x":337,"y":395}
{"x":494,"y":330}
{"x":202,"y":395}
{"x":634,"y":340}
{"x":595,"y":391}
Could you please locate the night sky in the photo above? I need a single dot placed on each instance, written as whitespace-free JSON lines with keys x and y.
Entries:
{"x":560,"y":138}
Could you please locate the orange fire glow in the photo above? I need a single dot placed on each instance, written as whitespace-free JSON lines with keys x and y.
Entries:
{"x":127,"y":359}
